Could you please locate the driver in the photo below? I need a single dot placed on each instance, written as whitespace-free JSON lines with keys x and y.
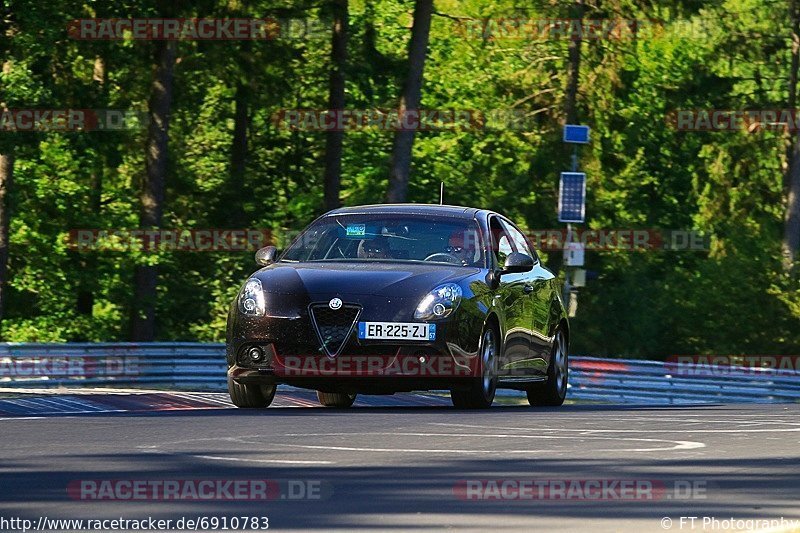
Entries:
{"x":374,"y":249}
{"x":461,"y":245}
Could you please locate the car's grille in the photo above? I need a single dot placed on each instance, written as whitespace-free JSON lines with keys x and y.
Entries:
{"x":333,"y":327}
{"x":296,"y":349}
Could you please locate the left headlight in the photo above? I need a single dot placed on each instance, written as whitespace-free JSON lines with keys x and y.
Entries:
{"x":251,"y":299}
{"x":441,"y":302}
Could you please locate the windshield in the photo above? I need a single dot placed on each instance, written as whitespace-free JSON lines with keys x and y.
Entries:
{"x":389,"y":238}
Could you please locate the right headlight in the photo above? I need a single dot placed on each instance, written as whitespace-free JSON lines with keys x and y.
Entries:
{"x":441,"y":302}
{"x":251,"y":299}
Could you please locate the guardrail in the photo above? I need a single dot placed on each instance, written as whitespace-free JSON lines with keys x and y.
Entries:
{"x":185,"y":365}
{"x":655,"y":382}
{"x":201,"y":366}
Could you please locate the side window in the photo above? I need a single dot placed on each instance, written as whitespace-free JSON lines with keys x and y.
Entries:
{"x":520,"y":243}
{"x":504,"y":249}
{"x":501,"y":242}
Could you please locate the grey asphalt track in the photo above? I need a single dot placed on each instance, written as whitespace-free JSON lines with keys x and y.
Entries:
{"x":406,"y":462}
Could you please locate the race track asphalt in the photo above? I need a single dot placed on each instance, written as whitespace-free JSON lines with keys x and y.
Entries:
{"x":406,"y":462}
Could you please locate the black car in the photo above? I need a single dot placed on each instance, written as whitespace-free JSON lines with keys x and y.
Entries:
{"x":389,"y":298}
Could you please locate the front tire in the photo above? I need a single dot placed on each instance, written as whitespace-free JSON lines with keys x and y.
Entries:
{"x":481,"y":393}
{"x":336,"y":399}
{"x":554,"y":391}
{"x":248,"y":396}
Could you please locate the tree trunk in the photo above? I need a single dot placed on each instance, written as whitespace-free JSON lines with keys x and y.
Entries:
{"x":152,"y":196}
{"x":791,"y":232}
{"x":88,"y":262}
{"x":335,"y":139}
{"x":239,"y":152}
{"x":6,"y":180}
{"x":410,"y":101}
{"x":791,"y":99}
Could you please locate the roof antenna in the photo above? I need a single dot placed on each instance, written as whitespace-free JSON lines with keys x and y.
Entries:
{"x":441,"y":194}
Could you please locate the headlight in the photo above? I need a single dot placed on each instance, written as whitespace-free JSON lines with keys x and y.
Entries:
{"x":251,"y":299}
{"x":439,"y":303}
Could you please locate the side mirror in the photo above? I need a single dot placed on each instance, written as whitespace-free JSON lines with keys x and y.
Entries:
{"x":518,"y":262}
{"x":266,"y":256}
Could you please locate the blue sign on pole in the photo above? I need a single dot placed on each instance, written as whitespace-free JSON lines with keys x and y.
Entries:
{"x":574,"y":133}
{"x":572,"y":197}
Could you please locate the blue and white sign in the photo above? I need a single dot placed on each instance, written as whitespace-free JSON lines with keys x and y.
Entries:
{"x":572,"y":197}
{"x":356,"y":230}
{"x":574,"y":133}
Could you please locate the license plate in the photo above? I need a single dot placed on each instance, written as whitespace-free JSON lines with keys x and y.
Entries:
{"x":404,"y":331}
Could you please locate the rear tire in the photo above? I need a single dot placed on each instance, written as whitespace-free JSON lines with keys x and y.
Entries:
{"x":247,"y":396}
{"x":481,"y":393}
{"x":554,"y":390}
{"x":336,"y":399}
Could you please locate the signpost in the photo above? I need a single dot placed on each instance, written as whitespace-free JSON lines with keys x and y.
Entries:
{"x":572,"y":209}
{"x":579,"y":277}
{"x":576,"y":134}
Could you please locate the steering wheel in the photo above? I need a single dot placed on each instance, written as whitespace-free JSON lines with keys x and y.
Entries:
{"x":440,"y":257}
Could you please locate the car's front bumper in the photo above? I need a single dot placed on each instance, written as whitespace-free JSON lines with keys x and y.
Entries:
{"x":293,"y":353}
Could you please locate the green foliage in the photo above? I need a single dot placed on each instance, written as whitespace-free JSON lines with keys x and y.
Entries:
{"x":642,"y":172}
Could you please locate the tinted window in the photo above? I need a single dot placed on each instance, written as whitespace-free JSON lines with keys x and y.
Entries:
{"x":501,"y":242}
{"x":389,"y":238}
{"x":520,"y":243}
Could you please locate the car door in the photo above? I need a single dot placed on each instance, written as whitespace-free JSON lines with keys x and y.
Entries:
{"x":513,"y":299}
{"x":537,"y":294}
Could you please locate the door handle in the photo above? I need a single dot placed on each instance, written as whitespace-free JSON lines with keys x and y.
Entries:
{"x":528,"y":289}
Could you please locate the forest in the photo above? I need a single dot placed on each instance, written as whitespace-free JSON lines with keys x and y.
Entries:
{"x":122,"y":117}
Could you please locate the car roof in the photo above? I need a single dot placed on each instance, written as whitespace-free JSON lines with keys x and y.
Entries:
{"x":409,"y":209}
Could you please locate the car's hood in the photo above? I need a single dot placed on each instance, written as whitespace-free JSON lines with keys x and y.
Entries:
{"x":391,"y":280}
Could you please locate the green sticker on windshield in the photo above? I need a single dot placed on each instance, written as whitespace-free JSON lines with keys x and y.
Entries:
{"x":356,"y":230}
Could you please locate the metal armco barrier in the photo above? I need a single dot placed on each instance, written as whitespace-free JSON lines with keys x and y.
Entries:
{"x":201,"y":366}
{"x":183,"y":365}
{"x":655,"y":382}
